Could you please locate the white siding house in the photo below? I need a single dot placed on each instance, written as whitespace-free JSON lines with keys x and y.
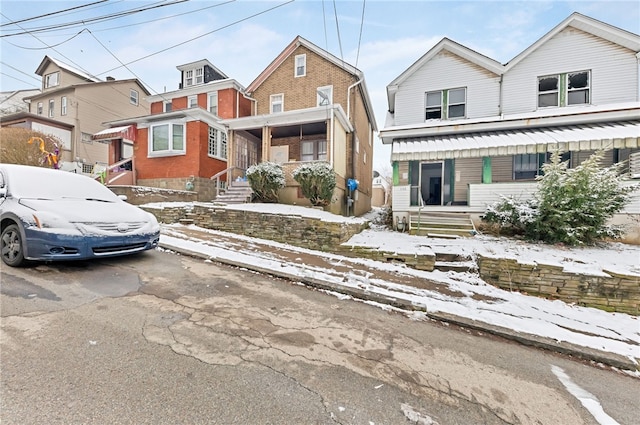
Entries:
{"x":576,"y":90}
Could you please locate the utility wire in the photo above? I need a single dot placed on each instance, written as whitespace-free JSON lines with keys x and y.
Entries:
{"x":17,"y":79}
{"x":200,"y":36}
{"x":360,"y":36}
{"x":20,"y":71}
{"x":96,"y":19}
{"x":52,"y":13}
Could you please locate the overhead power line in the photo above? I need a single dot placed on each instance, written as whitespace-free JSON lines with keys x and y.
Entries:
{"x":52,"y":13}
{"x":83,"y":22}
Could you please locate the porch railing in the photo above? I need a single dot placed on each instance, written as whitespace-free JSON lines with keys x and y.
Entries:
{"x":219,"y":182}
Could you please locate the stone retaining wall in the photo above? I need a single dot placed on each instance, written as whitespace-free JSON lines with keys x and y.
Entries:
{"x":305,"y":232}
{"x":610,"y":292}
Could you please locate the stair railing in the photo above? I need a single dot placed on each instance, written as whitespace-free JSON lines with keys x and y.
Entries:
{"x":217,"y":176}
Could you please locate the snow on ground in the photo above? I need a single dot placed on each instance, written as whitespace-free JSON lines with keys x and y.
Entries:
{"x":586,"y":327}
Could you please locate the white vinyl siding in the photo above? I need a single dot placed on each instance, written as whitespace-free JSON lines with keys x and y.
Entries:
{"x":446,"y":70}
{"x":613,"y":70}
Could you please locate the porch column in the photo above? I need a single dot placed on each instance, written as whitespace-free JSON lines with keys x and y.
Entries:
{"x":266,"y":143}
{"x":231,"y":148}
{"x":486,"y":169}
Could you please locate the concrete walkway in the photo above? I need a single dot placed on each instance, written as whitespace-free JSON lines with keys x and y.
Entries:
{"x":358,"y":279}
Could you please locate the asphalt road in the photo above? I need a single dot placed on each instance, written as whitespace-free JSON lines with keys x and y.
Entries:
{"x":161,"y":338}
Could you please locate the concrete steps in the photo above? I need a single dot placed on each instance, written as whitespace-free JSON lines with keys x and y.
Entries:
{"x":237,"y":192}
{"x":441,"y":224}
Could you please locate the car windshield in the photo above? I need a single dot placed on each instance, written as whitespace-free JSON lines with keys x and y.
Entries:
{"x":45,"y":183}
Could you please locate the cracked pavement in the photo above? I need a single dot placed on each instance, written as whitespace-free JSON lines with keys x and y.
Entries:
{"x":165,"y":339}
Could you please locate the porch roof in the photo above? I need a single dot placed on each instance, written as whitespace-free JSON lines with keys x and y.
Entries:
{"x":125,"y":132}
{"x":584,"y":137}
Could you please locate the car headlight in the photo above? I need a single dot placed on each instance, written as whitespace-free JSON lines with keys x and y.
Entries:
{"x":46,"y":220}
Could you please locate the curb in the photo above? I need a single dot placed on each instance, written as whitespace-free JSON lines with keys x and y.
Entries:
{"x":580,"y":352}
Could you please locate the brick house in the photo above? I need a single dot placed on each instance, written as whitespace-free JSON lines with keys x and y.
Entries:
{"x":310,"y":106}
{"x":182,"y":143}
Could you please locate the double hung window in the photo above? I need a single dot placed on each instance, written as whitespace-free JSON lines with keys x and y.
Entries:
{"x":572,"y":88}
{"x":446,"y":104}
{"x":301,"y":65}
{"x":213,"y":103}
{"x":63,"y":105}
{"x":133,"y":97}
{"x":276,"y":103}
{"x":52,"y":105}
{"x":167,"y":139}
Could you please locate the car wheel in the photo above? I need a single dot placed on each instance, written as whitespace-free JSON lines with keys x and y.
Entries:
{"x":11,"y":246}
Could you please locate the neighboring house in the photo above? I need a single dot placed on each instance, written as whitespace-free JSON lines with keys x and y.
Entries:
{"x":465,"y":129}
{"x":75,"y":98}
{"x":181,"y":143}
{"x":381,"y":190}
{"x":310,"y":106}
{"x":12,"y":102}
{"x":61,"y":131}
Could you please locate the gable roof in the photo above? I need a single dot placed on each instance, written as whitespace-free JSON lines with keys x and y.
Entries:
{"x":592,"y":26}
{"x":47,"y":60}
{"x":451,"y":46}
{"x":300,"y":41}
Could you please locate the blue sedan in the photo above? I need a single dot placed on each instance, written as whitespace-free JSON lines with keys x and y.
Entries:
{"x":52,"y":215}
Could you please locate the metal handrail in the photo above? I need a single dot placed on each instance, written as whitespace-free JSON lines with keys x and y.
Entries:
{"x":218,"y":175}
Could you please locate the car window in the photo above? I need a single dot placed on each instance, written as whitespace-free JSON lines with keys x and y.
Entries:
{"x":45,"y":183}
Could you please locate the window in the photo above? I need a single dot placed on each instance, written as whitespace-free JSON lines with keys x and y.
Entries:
{"x":51,"y":80}
{"x":167,"y":139}
{"x":277,"y":103}
{"x":86,"y":138}
{"x":217,"y":143}
{"x":188,"y":78}
{"x":63,"y":105}
{"x":446,"y":104}
{"x":193,"y":101}
{"x":52,"y":105}
{"x":213,"y":103}
{"x":313,"y":150}
{"x":39,"y":111}
{"x":301,"y":66}
{"x":199,"y":76}
{"x":133,"y":97}
{"x":525,"y":166}
{"x":167,"y":106}
{"x":325,"y":95}
{"x":564,"y":89}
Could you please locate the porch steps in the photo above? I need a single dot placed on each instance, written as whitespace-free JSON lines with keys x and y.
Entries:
{"x":441,"y":224}
{"x":446,"y":262}
{"x":237,"y":192}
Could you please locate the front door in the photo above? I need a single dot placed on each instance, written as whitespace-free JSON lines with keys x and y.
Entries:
{"x":431,"y":183}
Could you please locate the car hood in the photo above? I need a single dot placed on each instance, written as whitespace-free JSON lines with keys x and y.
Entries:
{"x":86,"y":211}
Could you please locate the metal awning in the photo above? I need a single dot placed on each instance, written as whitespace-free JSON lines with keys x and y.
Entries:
{"x":127,"y":132}
{"x":586,"y":137}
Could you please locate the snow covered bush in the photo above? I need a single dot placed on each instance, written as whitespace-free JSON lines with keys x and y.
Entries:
{"x":572,"y":205}
{"x":317,"y":182}
{"x":266,"y":179}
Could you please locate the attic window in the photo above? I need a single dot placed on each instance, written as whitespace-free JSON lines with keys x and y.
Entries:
{"x":277,"y":103}
{"x":446,"y":104}
{"x":325,"y":95}
{"x":564,"y":89}
{"x":188,"y":78}
{"x":133,"y":97}
{"x":301,"y":65}
{"x":51,"y":80}
{"x":199,"y":74}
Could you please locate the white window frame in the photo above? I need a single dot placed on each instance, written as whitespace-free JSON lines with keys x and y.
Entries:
{"x":40,"y":108}
{"x":547,"y":93}
{"x":210,"y":102}
{"x":445,"y":104}
{"x":188,"y":78}
{"x":167,"y":106}
{"x":327,"y":99}
{"x":50,"y":81}
{"x":217,"y":143}
{"x":63,"y":105}
{"x":52,"y":106}
{"x":562,"y":91}
{"x":171,"y":148}
{"x":192,"y":102}
{"x":432,"y":107}
{"x":450,"y":103}
{"x":133,"y":97}
{"x":300,"y":66}
{"x":587,"y":88}
{"x":276,"y":99}
{"x":198,"y":76}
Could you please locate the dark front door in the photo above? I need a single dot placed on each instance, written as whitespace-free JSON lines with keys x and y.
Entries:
{"x":431,"y":183}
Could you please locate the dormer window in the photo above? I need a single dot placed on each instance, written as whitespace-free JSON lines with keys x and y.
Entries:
{"x":564,"y":89}
{"x":193,"y":77}
{"x":188,"y":78}
{"x":199,"y":76}
{"x":301,"y":66}
{"x":51,"y":80}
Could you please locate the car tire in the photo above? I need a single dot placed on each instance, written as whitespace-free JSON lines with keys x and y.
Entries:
{"x":11,"y":246}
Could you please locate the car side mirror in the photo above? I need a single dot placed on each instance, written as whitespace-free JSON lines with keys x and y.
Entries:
{"x":3,"y":192}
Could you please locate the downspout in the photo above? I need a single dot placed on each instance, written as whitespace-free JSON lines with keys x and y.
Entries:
{"x":332,"y":141}
{"x":353,"y":138}
{"x":638,"y":70}
{"x":500,"y":97}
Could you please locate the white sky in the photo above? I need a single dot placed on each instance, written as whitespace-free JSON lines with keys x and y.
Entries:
{"x":241,"y":38}
{"x":586,"y":327}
